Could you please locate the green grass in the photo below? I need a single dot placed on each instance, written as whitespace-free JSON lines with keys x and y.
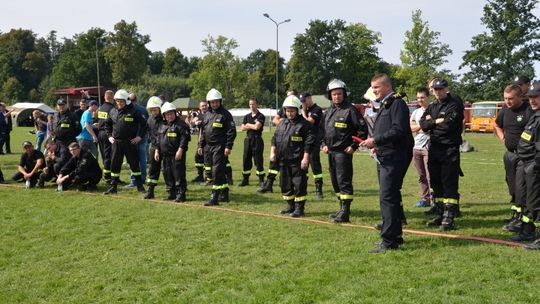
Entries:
{"x":73,"y":247}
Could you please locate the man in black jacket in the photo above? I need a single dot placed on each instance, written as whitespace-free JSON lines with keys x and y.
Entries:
{"x":105,"y":146}
{"x":443,"y":120}
{"x":218,"y":132}
{"x":312,"y":113}
{"x":340,"y":122}
{"x":292,"y":144}
{"x":253,"y":124}
{"x":392,"y":142}
{"x":82,"y":170}
{"x":65,"y":125}
{"x":57,"y":157}
{"x":154,"y":121}
{"x":125,"y":127}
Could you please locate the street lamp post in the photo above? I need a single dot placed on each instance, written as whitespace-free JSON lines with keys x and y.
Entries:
{"x":97,"y":70}
{"x":277,"y":53}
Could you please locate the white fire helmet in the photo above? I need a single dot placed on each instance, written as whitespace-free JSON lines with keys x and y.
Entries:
{"x":336,"y":84}
{"x":168,"y":107}
{"x":213,"y":94}
{"x":154,"y":102}
{"x":122,"y":94}
{"x":292,"y":102}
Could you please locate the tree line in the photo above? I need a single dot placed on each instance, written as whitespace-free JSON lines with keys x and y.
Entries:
{"x":32,"y":67}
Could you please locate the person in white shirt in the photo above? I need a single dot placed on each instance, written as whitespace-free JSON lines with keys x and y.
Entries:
{"x":420,"y":150}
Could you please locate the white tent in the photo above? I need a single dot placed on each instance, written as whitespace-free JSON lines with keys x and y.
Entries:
{"x":22,"y":112}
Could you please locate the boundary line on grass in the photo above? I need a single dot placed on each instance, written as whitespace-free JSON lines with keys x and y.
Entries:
{"x":310,"y":220}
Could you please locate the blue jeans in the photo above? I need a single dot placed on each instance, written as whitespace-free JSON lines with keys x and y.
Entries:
{"x":40,"y":137}
{"x":142,"y":149}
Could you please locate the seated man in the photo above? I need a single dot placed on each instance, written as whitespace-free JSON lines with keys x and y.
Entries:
{"x":82,"y":170}
{"x":57,"y":157}
{"x":30,"y":165}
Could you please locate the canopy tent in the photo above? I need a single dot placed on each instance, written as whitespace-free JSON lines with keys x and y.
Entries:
{"x":22,"y":112}
{"x":186,"y":104}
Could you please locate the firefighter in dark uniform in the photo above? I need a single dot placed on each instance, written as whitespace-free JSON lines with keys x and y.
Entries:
{"x":154,"y":122}
{"x":217,"y":139}
{"x":57,"y":157}
{"x":103,"y":138}
{"x":202,"y":171}
{"x":393,"y":143}
{"x":253,"y":124}
{"x":173,"y":140}
{"x":65,"y":125}
{"x":529,"y":153}
{"x":82,"y":170}
{"x":273,"y":167}
{"x":443,"y":120}
{"x":312,"y":113}
{"x":292,"y":144}
{"x":509,"y":125}
{"x":125,"y":127}
{"x":341,"y":121}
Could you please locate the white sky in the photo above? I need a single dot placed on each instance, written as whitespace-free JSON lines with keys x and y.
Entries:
{"x":183,"y":24}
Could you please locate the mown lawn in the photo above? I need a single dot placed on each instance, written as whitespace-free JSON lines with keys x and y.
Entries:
{"x":75,"y":247}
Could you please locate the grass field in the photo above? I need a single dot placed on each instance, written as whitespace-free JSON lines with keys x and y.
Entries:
{"x":75,"y":247}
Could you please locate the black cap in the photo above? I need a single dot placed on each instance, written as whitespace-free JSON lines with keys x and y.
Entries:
{"x":521,"y":79}
{"x":93,"y":103}
{"x":534,"y":89}
{"x":26,"y":143}
{"x":304,"y":95}
{"x":60,"y":102}
{"x":439,"y":83}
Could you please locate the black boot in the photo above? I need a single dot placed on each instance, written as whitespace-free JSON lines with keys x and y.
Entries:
{"x":299,"y":209}
{"x":41,"y":182}
{"x":139,"y":183}
{"x":450,"y":211}
{"x":172,"y":194}
{"x":527,"y":233}
{"x":113,"y":187}
{"x":438,"y":209}
{"x":150,"y":193}
{"x":334,"y":215}
{"x":200,"y":177}
{"x":434,"y":210}
{"x":261,"y":180}
{"x":319,"y":188}
{"x":267,"y":187}
{"x":343,"y":215}
{"x":213,"y":201}
{"x":224,"y":195}
{"x":511,"y":218}
{"x":245,"y":180}
{"x":515,"y":224}
{"x":180,"y":195}
{"x":403,"y":217}
{"x":289,"y":209}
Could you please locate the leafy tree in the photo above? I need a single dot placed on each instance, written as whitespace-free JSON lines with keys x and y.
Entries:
{"x":222,"y":70}
{"x":422,"y":55}
{"x":507,"y":49}
{"x":155,"y":62}
{"x":175,"y":63}
{"x":333,"y":49}
{"x":261,"y":67}
{"x":76,"y":65}
{"x":127,"y":53}
{"x":13,"y":90}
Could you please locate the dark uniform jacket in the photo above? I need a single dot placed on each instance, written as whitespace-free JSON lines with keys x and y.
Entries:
{"x":154,"y":123}
{"x":292,"y":139}
{"x":66,"y":127}
{"x":61,"y":157}
{"x":250,"y":119}
{"x":84,"y":165}
{"x":528,"y":147}
{"x":316,"y":113}
{"x":339,"y":124}
{"x":173,"y":136}
{"x":391,"y":131}
{"x":218,"y":129}
{"x":126,"y":123}
{"x":449,"y":132}
{"x":513,"y":121}
{"x":103,"y":114}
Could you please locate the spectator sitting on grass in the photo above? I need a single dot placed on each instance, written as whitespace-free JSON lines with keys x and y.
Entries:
{"x":30,"y":165}
{"x":82,"y":170}
{"x":57,"y":156}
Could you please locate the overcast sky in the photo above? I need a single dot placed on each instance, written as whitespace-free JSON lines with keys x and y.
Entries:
{"x":183,"y":24}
